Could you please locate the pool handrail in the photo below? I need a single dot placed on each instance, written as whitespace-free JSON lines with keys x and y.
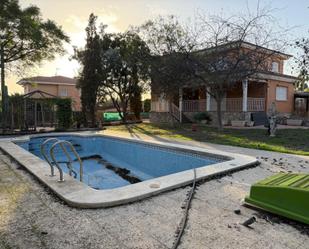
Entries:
{"x":43,"y":152}
{"x":61,"y":144}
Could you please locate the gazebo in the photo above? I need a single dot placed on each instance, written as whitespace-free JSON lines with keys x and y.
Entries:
{"x":38,"y":109}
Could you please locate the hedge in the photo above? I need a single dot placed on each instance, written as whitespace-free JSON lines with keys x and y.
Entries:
{"x":64,"y":113}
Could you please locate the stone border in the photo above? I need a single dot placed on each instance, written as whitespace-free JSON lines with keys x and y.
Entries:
{"x":80,"y":195}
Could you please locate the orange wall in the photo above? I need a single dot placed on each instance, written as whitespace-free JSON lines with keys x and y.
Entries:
{"x":51,"y":89}
{"x":255,"y":90}
{"x":282,"y":106}
{"x":268,"y":59}
{"x":72,"y":91}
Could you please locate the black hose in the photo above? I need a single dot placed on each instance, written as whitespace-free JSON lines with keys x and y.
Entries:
{"x":184,"y":219}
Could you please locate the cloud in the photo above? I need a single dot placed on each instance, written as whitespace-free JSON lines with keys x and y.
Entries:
{"x":77,"y":23}
{"x":75,"y":26}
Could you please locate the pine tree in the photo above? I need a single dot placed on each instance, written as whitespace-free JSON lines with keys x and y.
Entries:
{"x":90,"y":76}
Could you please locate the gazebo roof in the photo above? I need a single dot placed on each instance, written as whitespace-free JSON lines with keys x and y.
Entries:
{"x":38,"y":94}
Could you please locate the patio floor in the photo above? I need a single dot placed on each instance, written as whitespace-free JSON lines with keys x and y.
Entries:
{"x":32,"y":217}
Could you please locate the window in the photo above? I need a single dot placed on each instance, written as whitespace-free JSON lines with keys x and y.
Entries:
{"x":281,"y":93}
{"x":275,"y":67}
{"x":63,"y":92}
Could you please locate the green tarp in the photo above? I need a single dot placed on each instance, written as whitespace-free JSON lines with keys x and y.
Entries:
{"x":114,"y":116}
{"x":111,"y":116}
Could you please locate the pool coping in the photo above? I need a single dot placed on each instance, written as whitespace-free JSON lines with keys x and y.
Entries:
{"x":78,"y":194}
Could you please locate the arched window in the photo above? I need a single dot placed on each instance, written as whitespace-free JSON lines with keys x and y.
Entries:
{"x":275,"y":67}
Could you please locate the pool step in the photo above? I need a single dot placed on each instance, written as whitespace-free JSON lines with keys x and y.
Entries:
{"x":286,"y":194}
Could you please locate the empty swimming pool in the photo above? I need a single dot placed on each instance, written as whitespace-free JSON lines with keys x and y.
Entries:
{"x":112,"y":163}
{"x":117,"y":170}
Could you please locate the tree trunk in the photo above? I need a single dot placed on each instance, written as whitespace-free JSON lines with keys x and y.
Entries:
{"x":84,"y":116}
{"x":219,"y":113}
{"x":4,"y":111}
{"x":92,"y":116}
{"x":124,"y":113}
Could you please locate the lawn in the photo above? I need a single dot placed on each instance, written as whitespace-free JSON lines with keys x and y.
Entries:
{"x":294,"y":141}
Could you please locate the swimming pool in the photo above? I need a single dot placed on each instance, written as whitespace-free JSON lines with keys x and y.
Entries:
{"x":111,"y":163}
{"x":118,"y":170}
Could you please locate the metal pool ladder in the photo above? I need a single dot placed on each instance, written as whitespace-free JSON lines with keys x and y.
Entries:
{"x":61,"y":143}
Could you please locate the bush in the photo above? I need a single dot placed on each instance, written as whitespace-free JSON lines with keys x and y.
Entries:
{"x":202,"y":116}
{"x":78,"y":119}
{"x":147,"y":105}
{"x":64,"y":113}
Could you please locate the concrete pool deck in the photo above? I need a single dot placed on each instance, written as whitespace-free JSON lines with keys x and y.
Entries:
{"x":32,"y":217}
{"x":80,"y":195}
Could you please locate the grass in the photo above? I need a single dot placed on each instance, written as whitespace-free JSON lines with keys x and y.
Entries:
{"x":293,"y":141}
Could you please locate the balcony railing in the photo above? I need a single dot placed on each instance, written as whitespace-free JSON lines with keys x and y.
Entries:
{"x":253,"y":104}
{"x":232,"y":105}
{"x":194,"y":105}
{"x":256,"y":104}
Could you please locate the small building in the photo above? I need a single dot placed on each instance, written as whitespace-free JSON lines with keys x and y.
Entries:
{"x":252,"y":95}
{"x":59,"y":86}
{"x":301,"y":104}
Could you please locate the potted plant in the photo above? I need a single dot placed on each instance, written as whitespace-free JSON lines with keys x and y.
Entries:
{"x":294,"y":122}
{"x":202,"y":117}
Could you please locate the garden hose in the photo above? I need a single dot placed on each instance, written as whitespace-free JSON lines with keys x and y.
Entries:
{"x":184,"y":219}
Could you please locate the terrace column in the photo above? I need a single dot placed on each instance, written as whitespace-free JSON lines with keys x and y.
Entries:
{"x":208,"y":99}
{"x":245,"y":95}
{"x":180,"y":103}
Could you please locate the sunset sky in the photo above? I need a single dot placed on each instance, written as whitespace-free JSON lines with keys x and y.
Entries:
{"x":72,"y":15}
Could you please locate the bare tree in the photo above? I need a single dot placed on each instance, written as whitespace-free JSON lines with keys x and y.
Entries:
{"x":302,"y":63}
{"x":216,"y":51}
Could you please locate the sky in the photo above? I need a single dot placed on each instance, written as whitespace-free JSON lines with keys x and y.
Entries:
{"x":72,"y":15}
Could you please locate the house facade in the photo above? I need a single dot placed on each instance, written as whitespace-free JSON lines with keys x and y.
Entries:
{"x":251,"y":95}
{"x":59,"y":86}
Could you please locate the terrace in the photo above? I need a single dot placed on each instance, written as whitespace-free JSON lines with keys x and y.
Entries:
{"x":247,"y":96}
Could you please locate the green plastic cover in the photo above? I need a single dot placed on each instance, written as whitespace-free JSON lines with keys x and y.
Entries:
{"x":111,"y":116}
{"x":285,"y":194}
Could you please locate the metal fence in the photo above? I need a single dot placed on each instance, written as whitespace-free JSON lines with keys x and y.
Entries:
{"x":28,"y":114}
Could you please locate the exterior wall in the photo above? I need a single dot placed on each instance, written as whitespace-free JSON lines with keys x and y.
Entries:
{"x":56,"y":90}
{"x":282,"y":106}
{"x":227,"y":117}
{"x":74,"y":93}
{"x":51,"y":89}
{"x":280,"y":63}
{"x":161,"y":117}
{"x":255,"y":90}
{"x":268,"y":61}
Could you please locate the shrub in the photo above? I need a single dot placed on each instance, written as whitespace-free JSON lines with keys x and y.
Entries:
{"x":78,"y":119}
{"x":202,"y":116}
{"x":147,"y":105}
{"x":64,"y":113}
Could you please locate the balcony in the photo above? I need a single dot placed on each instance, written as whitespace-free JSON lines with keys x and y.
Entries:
{"x":229,"y":105}
{"x":253,"y":104}
{"x":200,"y":105}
